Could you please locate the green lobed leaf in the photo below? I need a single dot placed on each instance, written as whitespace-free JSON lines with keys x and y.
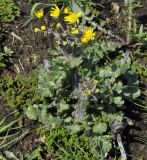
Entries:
{"x":100,"y":128}
{"x":100,"y":146}
{"x":73,"y":129}
{"x":32,"y":112}
{"x":118,"y":101}
{"x":63,"y":106}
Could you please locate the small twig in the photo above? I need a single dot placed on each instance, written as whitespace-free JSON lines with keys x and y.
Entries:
{"x":21,"y":64}
{"x":33,"y":35}
{"x":122,"y":150}
{"x":17,"y":68}
{"x":14,"y":141}
{"x":16,"y":36}
{"x":98,"y":4}
{"x":137,"y":44}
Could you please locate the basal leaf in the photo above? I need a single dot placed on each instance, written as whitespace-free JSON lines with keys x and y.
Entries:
{"x":63,"y":106}
{"x":32,"y":112}
{"x":75,"y":128}
{"x":118,"y":101}
{"x":100,"y":128}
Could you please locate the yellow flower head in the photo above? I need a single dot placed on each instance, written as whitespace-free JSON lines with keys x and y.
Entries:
{"x":55,"y":12}
{"x":88,"y":35}
{"x":72,"y":17}
{"x":64,"y":43}
{"x":43,"y":28}
{"x":97,"y":90}
{"x":95,"y":81}
{"x":58,"y":25}
{"x":39,"y":14}
{"x":36,"y":30}
{"x":66,"y":10}
{"x":74,"y":31}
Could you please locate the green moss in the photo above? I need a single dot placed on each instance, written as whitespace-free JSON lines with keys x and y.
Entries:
{"x":19,"y":92}
{"x":62,"y":145}
{"x":8,"y":11}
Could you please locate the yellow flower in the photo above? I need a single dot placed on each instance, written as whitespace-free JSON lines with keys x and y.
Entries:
{"x":72,"y":17}
{"x":88,"y":35}
{"x":64,"y":43}
{"x":66,"y":10}
{"x":39,"y":14}
{"x":36,"y":30}
{"x":43,"y":28}
{"x":97,"y":90}
{"x":58,"y":25}
{"x":85,"y":86}
{"x":58,"y":42}
{"x":55,"y":12}
{"x":87,"y":93}
{"x":95,"y":81}
{"x":84,"y":40}
{"x":74,"y":31}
